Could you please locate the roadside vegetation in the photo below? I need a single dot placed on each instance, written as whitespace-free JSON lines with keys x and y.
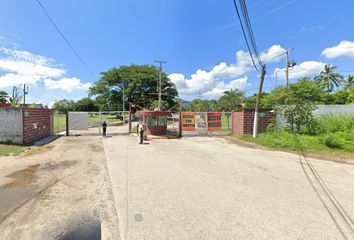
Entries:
{"x":329,"y":136}
{"x":7,"y":149}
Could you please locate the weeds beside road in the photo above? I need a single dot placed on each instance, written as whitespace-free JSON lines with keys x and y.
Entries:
{"x":332,"y":138}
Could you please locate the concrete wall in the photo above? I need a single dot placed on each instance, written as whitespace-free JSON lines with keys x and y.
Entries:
{"x":37,"y":124}
{"x":322,"y":110}
{"x":242,"y":121}
{"x":11,"y":125}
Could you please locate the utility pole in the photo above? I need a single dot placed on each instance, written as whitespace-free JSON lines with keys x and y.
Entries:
{"x":256,"y":113}
{"x":24,"y":94}
{"x":160,"y":82}
{"x":199,"y":101}
{"x":287,"y":67}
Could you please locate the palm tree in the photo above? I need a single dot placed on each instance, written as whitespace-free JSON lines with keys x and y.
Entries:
{"x":214,"y":105}
{"x":348,"y":83}
{"x":329,"y":78}
{"x":231,"y":101}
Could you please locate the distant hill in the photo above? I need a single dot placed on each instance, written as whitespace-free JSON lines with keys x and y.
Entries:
{"x":186,"y":103}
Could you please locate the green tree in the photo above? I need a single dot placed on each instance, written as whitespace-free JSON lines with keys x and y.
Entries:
{"x":350,"y":99}
{"x":101,"y":103}
{"x":199,"y":105}
{"x":339,"y":97}
{"x":155,"y":104}
{"x":3,"y":97}
{"x":137,"y":81}
{"x":214,"y":105}
{"x":306,"y":89}
{"x":329,"y":78}
{"x":63,"y":106}
{"x":86,"y":105}
{"x":299,"y":114}
{"x":267,"y":101}
{"x":231,"y":101}
{"x":348,"y":83}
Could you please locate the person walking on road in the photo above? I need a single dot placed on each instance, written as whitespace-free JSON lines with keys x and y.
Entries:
{"x":104,"y":126}
{"x":141,"y":132}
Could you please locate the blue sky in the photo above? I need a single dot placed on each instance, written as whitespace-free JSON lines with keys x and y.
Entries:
{"x":201,"y":41}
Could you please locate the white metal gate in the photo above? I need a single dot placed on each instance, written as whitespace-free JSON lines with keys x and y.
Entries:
{"x":90,"y":123}
{"x":201,"y":125}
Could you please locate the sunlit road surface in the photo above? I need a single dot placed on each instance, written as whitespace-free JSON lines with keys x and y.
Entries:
{"x":209,"y":188}
{"x":185,"y":188}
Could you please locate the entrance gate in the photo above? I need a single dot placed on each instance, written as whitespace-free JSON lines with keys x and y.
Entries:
{"x":201,"y":125}
{"x":90,"y":123}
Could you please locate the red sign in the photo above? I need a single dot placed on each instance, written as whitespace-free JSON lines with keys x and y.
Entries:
{"x":214,"y":121}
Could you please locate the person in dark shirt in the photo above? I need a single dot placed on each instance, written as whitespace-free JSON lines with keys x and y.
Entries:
{"x":104,"y":126}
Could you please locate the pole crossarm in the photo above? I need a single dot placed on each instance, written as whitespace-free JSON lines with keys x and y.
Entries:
{"x":138,"y":106}
{"x":174,"y":106}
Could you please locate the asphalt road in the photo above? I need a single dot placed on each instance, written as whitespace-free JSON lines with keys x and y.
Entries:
{"x":187,"y":188}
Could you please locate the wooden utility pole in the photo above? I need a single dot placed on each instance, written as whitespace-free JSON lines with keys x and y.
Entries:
{"x":256,"y":113}
{"x":160,"y":82}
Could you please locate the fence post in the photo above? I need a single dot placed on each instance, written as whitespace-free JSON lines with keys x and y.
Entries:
{"x":99,"y":123}
{"x":180,"y":124}
{"x":67,"y":124}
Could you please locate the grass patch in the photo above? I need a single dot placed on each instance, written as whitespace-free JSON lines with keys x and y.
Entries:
{"x":7,"y":149}
{"x":134,"y":129}
{"x":288,"y":141}
{"x":62,"y":124}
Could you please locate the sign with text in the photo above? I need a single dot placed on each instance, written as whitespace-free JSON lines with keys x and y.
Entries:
{"x":214,"y":121}
{"x":188,"y":121}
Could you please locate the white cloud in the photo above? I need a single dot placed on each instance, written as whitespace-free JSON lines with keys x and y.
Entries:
{"x":343,"y":49}
{"x":304,"y":69}
{"x":10,"y":79}
{"x":272,"y":54}
{"x":310,"y":29}
{"x":66,"y":84}
{"x":51,"y":104}
{"x":213,"y":83}
{"x":4,"y":41}
{"x":26,"y":63}
{"x":27,"y":68}
{"x":221,"y":87}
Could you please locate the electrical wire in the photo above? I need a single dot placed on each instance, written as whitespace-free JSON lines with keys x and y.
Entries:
{"x":250,"y":31}
{"x":66,"y":39}
{"x":244,"y":34}
{"x":185,"y":45}
{"x":226,"y":32}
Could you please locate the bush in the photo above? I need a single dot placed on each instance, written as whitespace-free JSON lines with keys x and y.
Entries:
{"x":332,"y":141}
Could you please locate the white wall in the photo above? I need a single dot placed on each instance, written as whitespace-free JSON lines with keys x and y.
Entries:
{"x":322,"y":110}
{"x":11,"y":125}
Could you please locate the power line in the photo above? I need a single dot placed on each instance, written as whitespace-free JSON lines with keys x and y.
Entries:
{"x":66,"y":40}
{"x":244,"y":34}
{"x":226,"y":32}
{"x":184,"y":45}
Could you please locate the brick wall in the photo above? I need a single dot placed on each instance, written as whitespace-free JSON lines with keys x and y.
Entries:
{"x":36,"y":123}
{"x":242,"y":121}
